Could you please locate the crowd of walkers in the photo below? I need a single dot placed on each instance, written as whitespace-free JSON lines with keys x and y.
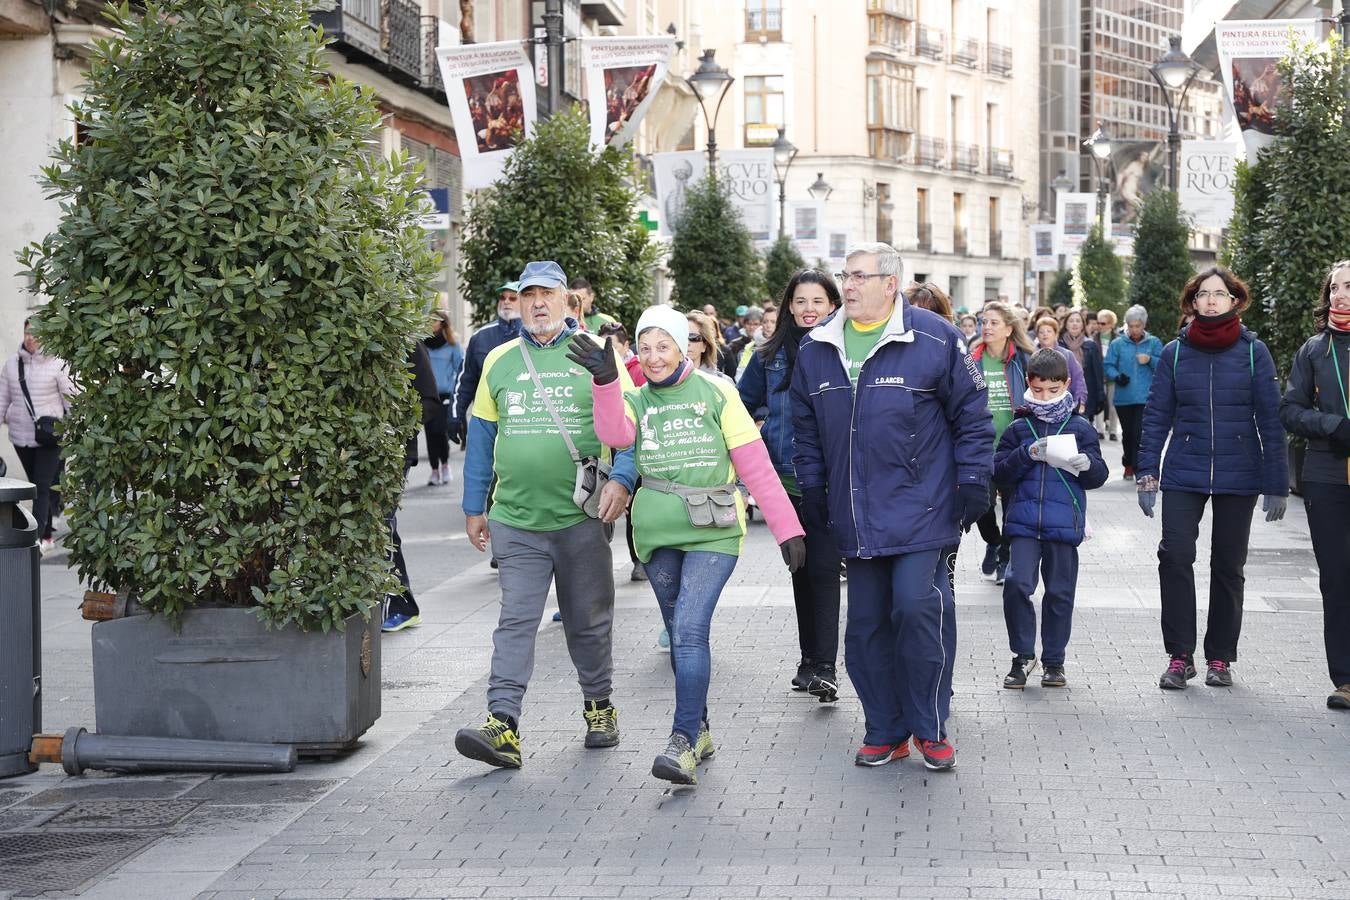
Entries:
{"x":873,"y":427}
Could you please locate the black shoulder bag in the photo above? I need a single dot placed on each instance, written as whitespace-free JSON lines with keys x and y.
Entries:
{"x":44,"y":428}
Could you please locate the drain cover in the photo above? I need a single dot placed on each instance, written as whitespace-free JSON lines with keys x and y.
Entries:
{"x":123,"y":814}
{"x":237,"y":790}
{"x":54,"y":861}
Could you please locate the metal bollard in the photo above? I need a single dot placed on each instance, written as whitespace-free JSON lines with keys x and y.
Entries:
{"x":81,"y":750}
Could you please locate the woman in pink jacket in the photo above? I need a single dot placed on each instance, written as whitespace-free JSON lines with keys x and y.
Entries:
{"x":694,"y":440}
{"x":48,"y":387}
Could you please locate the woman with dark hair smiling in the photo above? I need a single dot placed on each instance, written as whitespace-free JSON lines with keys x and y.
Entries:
{"x":1215,"y":394}
{"x":810,"y":298}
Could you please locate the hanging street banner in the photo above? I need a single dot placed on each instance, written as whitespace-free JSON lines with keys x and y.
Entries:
{"x":490,"y":88}
{"x":1206,"y":192}
{"x":1075,"y":214}
{"x":622,"y":78}
{"x":806,"y":226}
{"x":748,"y":174}
{"x":1043,"y":255}
{"x":1249,"y":53}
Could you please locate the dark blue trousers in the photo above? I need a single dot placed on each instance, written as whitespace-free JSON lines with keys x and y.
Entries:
{"x":1059,"y":564}
{"x":900,"y":644}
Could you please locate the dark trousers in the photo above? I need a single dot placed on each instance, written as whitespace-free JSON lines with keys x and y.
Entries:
{"x":1059,"y":564}
{"x":988,"y":523}
{"x":403,"y":602}
{"x":900,"y":644}
{"x":1131,"y":431}
{"x":42,"y":465}
{"x":815,"y":590}
{"x":438,"y":436}
{"x":1232,"y":523}
{"x":1328,"y":507}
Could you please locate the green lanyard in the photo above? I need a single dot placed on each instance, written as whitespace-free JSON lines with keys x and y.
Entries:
{"x":1340,"y":383}
{"x":1056,"y":468}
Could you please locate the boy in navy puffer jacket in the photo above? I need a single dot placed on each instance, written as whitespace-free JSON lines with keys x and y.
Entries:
{"x":1045,"y":518}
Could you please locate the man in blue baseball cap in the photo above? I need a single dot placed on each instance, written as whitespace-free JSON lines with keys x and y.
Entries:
{"x":505,"y":328}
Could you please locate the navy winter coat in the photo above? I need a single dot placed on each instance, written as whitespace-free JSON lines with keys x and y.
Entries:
{"x":892,"y":454}
{"x":1043,"y":505}
{"x":1222,"y":409}
{"x":760,"y":392}
{"x":483,"y":342}
{"x":1313,"y":405}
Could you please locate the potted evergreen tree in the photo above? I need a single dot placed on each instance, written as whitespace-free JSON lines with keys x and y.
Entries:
{"x":235,"y":282}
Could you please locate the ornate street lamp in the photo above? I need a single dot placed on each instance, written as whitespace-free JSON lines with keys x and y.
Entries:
{"x":1100,"y":145}
{"x":1175,"y":70}
{"x":820,"y":189}
{"x":710,"y":81}
{"x":784,"y":152}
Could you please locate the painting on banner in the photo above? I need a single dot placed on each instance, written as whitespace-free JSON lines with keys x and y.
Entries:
{"x":622,"y":78}
{"x":1206,"y":189}
{"x":747,"y":174}
{"x":490,"y":89}
{"x":1249,"y":55}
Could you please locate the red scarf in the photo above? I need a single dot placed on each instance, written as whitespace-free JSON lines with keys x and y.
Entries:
{"x":1339,"y":319}
{"x":1214,"y":332}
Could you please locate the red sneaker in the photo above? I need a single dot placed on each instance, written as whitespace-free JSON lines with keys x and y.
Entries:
{"x":937,"y":755}
{"x":880,"y":754}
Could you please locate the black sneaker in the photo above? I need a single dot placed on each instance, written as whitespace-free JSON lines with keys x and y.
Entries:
{"x":990,"y":559}
{"x":1000,"y":573}
{"x":1016,"y":679}
{"x":602,"y":724}
{"x":824,"y":684}
{"x":1219,"y":674}
{"x":1053,"y":677}
{"x":495,"y":742}
{"x":805,"y":669}
{"x":1180,"y":670}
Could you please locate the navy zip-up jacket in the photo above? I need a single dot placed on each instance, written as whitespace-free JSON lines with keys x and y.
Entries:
{"x":1222,"y":409}
{"x":892,"y":454}
{"x":1044,"y":506}
{"x":483,"y":342}
{"x":759,"y":388}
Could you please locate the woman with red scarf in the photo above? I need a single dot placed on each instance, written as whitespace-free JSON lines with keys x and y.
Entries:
{"x":1216,"y":393}
{"x":1315,"y":408}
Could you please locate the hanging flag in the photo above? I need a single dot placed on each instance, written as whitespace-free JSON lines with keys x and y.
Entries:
{"x":747,"y":175}
{"x":1206,"y":189}
{"x":622,"y":77}
{"x":490,"y":88}
{"x":1043,"y":255}
{"x":1249,"y":54}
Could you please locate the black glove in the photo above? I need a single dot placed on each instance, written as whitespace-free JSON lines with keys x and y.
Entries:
{"x":1340,"y":439}
{"x":1122,"y":379}
{"x":815,"y":508}
{"x":794,"y":552}
{"x":973,"y":501}
{"x":455,"y":431}
{"x":597,"y":360}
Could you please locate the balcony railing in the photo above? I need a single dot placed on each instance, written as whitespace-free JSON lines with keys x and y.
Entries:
{"x":403,"y":36}
{"x":930,"y":42}
{"x":431,"y":68}
{"x":1000,"y":162}
{"x":885,"y":142}
{"x":996,"y":244}
{"x":960,"y":246}
{"x":999,"y":60}
{"x":930,"y":151}
{"x":925,"y":235}
{"x":966,"y":158}
{"x":966,"y":52}
{"x":391,"y":36}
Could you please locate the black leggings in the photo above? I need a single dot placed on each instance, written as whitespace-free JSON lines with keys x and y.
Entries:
{"x":988,"y":525}
{"x":815,"y":590}
{"x":438,"y":438}
{"x":42,"y":465}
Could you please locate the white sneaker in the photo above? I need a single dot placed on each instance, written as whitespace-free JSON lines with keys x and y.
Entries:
{"x":47,"y":545}
{"x":435,"y":477}
{"x":446,"y":475}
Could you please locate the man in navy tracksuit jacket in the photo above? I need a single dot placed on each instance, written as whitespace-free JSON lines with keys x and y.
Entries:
{"x":484,"y":341}
{"x":894,"y":447}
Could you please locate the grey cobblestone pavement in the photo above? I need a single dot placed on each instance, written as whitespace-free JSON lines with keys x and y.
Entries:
{"x":1109,"y":788}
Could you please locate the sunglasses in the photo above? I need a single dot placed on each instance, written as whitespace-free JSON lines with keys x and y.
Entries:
{"x":695,"y":338}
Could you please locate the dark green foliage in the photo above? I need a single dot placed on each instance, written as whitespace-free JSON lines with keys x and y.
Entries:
{"x":558,"y":200}
{"x":1099,"y":277}
{"x":712,"y":256}
{"x":235,"y":284}
{"x":1290,"y":224}
{"x":780,"y":264}
{"x":1162,"y":262}
{"x":1061,"y":289}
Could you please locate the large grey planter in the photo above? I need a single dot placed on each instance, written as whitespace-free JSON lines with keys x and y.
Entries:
{"x":224,"y":676}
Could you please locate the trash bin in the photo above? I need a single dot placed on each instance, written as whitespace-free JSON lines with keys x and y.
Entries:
{"x":20,"y":632}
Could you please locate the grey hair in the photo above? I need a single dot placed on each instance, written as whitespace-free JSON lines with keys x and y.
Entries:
{"x":888,"y":258}
{"x":1136,"y":313}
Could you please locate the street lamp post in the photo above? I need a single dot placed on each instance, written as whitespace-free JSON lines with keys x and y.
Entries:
{"x":1100,"y":145}
{"x":820,"y":189}
{"x":710,"y":81}
{"x":784,"y":152}
{"x":1175,"y":70}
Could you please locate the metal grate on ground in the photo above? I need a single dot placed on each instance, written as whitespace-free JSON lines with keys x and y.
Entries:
{"x":37,"y":863}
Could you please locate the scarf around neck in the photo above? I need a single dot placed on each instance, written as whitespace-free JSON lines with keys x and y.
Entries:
{"x":1215,"y":332}
{"x":1051,"y":412}
{"x":675,"y":377}
{"x":1074,"y":345}
{"x":1338,"y":319}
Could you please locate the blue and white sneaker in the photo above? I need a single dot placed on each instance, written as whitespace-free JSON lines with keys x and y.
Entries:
{"x":398,"y":622}
{"x":557,"y":615}
{"x":663,"y":639}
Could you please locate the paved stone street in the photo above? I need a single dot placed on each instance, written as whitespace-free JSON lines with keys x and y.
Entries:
{"x":1110,"y":788}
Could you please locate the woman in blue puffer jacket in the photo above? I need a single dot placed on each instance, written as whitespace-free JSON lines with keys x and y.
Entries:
{"x":1130,"y":363}
{"x":1216,"y":394}
{"x":810,"y":298}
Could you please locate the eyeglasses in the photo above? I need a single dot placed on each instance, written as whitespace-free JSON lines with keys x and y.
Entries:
{"x":856,"y":277}
{"x":1217,"y":295}
{"x":695,"y":338}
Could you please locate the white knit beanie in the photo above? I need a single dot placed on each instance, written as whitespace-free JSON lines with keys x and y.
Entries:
{"x":669,"y":320}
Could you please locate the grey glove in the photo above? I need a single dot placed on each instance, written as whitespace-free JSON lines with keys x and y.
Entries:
{"x":1146,"y":501}
{"x":1078,"y":463}
{"x":1274,"y":507}
{"x":1036,"y":449}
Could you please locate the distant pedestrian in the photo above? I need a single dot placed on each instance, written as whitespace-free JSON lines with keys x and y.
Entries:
{"x":1217,"y":397}
{"x":1316,"y":407}
{"x":1130,"y":363}
{"x":707,"y":353}
{"x":694,"y":441}
{"x":592,"y":318}
{"x":809,"y":298}
{"x":35,"y":393}
{"x":505,"y":328}
{"x":894,"y":448}
{"x":1074,"y":338}
{"x":447,"y":358}
{"x":1047,"y":338}
{"x":1104,"y":332}
{"x":1046,"y":517}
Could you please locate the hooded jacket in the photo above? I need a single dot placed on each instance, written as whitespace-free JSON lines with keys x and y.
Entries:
{"x":892,"y":453}
{"x":49,"y":384}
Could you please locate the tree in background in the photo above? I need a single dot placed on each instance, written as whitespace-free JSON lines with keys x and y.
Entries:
{"x":1098,"y":275}
{"x":780,"y":264}
{"x":1162,"y":261}
{"x":558,"y":200}
{"x":1061,"y":289}
{"x":1289,"y":223}
{"x":712,"y":256}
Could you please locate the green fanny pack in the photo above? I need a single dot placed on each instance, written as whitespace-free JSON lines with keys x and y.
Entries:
{"x":707,"y":507}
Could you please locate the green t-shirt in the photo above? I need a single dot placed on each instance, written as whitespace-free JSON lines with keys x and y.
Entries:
{"x":858,"y":342}
{"x":1000,"y":401}
{"x":595,"y":319}
{"x":535,"y":473}
{"x":685,"y":434}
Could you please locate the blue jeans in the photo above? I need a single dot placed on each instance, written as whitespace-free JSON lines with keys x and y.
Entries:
{"x":687,"y":584}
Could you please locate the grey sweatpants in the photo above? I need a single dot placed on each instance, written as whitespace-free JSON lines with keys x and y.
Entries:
{"x":578,"y":559}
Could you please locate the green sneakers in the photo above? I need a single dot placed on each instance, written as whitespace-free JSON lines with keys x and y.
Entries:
{"x":602,"y":725}
{"x":677,"y":762}
{"x":495,"y":742}
{"x":703,"y":747}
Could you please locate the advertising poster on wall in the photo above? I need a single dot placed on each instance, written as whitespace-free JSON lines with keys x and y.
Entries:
{"x":490,"y":89}
{"x":1206,"y":189}
{"x":1249,"y":54}
{"x":748,"y":175}
{"x":1044,"y":257}
{"x":622,"y":78}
